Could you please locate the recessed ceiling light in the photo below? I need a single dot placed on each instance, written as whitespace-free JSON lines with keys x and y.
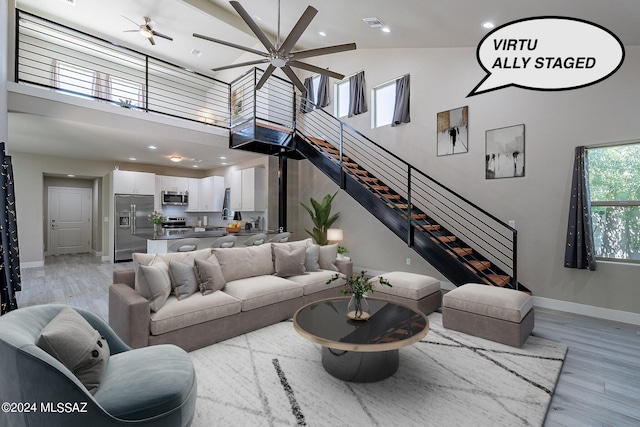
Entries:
{"x":488,"y":25}
{"x":386,"y":29}
{"x":223,"y":158}
{"x":70,"y":175}
{"x":175,"y":159}
{"x":322,"y":33}
{"x":224,"y":163}
{"x":195,"y":166}
{"x":373,"y":22}
{"x":152,"y":147}
{"x":132,"y":158}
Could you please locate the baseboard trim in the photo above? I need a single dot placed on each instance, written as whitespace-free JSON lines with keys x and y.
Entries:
{"x":32,"y":264}
{"x":588,"y":310}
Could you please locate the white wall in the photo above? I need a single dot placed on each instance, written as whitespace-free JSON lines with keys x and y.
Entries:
{"x":555,"y":122}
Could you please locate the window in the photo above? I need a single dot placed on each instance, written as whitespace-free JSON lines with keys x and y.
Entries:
{"x":614,"y":185}
{"x":72,"y":78}
{"x":384,"y":101}
{"x":342,"y":98}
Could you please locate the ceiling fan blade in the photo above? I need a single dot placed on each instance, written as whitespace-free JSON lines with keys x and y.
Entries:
{"x":297,"y":30}
{"x":131,"y":20}
{"x":237,"y":46}
{"x":315,"y":69}
{"x":323,"y":51}
{"x":157,"y":34}
{"x":253,"y":26}
{"x":294,"y":79}
{"x":265,"y":76}
{"x":242,"y":64}
{"x":131,"y":31}
{"x":152,"y":41}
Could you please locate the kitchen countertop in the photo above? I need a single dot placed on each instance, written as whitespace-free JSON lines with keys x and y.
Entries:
{"x":203,"y":234}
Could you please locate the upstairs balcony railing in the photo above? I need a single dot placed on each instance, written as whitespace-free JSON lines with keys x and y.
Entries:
{"x":66,"y":60}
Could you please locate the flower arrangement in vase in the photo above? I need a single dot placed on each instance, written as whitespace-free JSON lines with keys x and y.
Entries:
{"x":357,"y":286}
{"x":156,"y":218}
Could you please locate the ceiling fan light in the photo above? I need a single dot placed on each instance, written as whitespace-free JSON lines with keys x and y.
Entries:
{"x":145,"y":32}
{"x":175,"y":159}
{"x":278,"y":62}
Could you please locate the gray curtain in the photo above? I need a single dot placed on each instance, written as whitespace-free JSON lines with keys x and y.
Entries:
{"x":307,"y":98}
{"x":357,"y":101}
{"x":579,"y":251}
{"x":323,"y":91}
{"x":10,"y":280}
{"x":401,"y":112}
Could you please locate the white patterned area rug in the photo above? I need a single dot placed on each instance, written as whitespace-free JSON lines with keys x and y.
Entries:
{"x":274,"y":377}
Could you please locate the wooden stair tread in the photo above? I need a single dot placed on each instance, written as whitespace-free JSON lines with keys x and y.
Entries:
{"x":497,"y":279}
{"x":459,"y":252}
{"x":392,"y":196}
{"x":359,"y":171}
{"x":379,"y":187}
{"x":429,"y":227}
{"x":479,"y":265}
{"x":350,"y":165}
{"x":337,"y":156}
{"x":401,"y":206}
{"x":369,"y":179}
{"x":444,"y":239}
{"x":415,"y":216}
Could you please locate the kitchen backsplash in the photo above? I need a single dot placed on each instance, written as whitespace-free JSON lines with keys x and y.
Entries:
{"x":213,"y":219}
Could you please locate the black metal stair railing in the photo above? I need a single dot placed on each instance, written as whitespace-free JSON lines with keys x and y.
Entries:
{"x":446,"y":228}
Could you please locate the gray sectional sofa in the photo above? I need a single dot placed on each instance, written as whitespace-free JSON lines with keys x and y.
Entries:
{"x":240,"y":290}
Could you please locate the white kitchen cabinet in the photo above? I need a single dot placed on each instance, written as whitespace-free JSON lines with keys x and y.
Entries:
{"x":248,"y":190}
{"x":129,"y":182}
{"x":194,"y":194}
{"x":211,"y":194}
{"x":157,"y":200}
{"x":175,"y":183}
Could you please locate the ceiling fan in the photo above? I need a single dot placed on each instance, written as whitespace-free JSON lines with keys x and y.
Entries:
{"x":146,"y":30}
{"x":280,"y":55}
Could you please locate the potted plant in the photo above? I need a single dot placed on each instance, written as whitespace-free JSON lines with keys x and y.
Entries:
{"x":342,"y":251}
{"x":155,"y":218}
{"x":322,"y":218}
{"x":357,"y":286}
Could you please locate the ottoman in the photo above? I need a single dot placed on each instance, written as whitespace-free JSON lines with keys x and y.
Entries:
{"x":494,"y":313}
{"x":416,"y":291}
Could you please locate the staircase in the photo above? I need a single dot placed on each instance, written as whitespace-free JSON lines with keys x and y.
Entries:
{"x":462,"y":241}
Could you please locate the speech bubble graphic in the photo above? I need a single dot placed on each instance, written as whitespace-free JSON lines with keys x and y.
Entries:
{"x":548,"y":53}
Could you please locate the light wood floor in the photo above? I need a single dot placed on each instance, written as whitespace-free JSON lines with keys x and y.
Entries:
{"x":599,"y":384}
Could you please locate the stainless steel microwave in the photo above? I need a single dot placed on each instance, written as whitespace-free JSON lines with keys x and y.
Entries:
{"x":177,"y":198}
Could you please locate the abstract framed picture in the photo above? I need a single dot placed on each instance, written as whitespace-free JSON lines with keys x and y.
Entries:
{"x":504,"y":154}
{"x":453,"y":131}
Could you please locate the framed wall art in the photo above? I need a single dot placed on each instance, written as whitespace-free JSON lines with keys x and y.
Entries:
{"x":453,"y":131}
{"x":504,"y":153}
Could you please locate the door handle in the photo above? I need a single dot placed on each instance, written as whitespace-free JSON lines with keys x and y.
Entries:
{"x":133,"y":219}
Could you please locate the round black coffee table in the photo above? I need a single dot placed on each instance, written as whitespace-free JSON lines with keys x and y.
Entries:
{"x":360,"y":350}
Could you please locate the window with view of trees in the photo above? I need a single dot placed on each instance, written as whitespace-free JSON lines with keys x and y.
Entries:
{"x":614,"y":184}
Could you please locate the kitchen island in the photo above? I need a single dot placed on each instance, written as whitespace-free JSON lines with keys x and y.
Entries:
{"x":159,"y":243}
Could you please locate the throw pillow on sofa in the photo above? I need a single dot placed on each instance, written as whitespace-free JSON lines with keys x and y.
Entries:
{"x":77,"y":345}
{"x":154,"y":283}
{"x":311,"y":255}
{"x":288,"y":263}
{"x":240,"y":263}
{"x":327,"y":258}
{"x":183,"y":278}
{"x":210,"y":277}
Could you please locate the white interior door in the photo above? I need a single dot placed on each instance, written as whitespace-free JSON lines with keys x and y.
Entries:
{"x":69,"y":220}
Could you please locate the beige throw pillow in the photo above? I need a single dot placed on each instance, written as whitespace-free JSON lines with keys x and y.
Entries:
{"x":154,"y":283}
{"x":210,"y":277}
{"x":289,"y":263}
{"x":183,"y":278}
{"x":73,"y":341}
{"x":327,"y":258}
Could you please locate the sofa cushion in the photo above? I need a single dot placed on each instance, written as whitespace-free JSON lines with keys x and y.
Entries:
{"x":195,"y":309}
{"x":146,"y":259}
{"x":183,"y":278}
{"x":209,"y":275}
{"x":316,"y":281}
{"x":255,"y":292}
{"x":490,"y":301}
{"x":163,"y":379}
{"x":288,"y":262}
{"x":327,"y":258}
{"x":407,"y":285}
{"x":310,"y":256}
{"x":77,"y":345}
{"x":153,"y":283}
{"x":240,"y":263}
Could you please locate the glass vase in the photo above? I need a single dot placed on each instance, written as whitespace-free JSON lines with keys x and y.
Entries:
{"x":358,"y":308}
{"x":157,"y":228}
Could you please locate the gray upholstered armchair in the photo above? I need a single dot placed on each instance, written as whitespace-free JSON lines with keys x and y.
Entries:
{"x":152,"y":386}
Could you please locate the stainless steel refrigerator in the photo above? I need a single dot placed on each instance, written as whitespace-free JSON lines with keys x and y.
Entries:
{"x":132,"y":228}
